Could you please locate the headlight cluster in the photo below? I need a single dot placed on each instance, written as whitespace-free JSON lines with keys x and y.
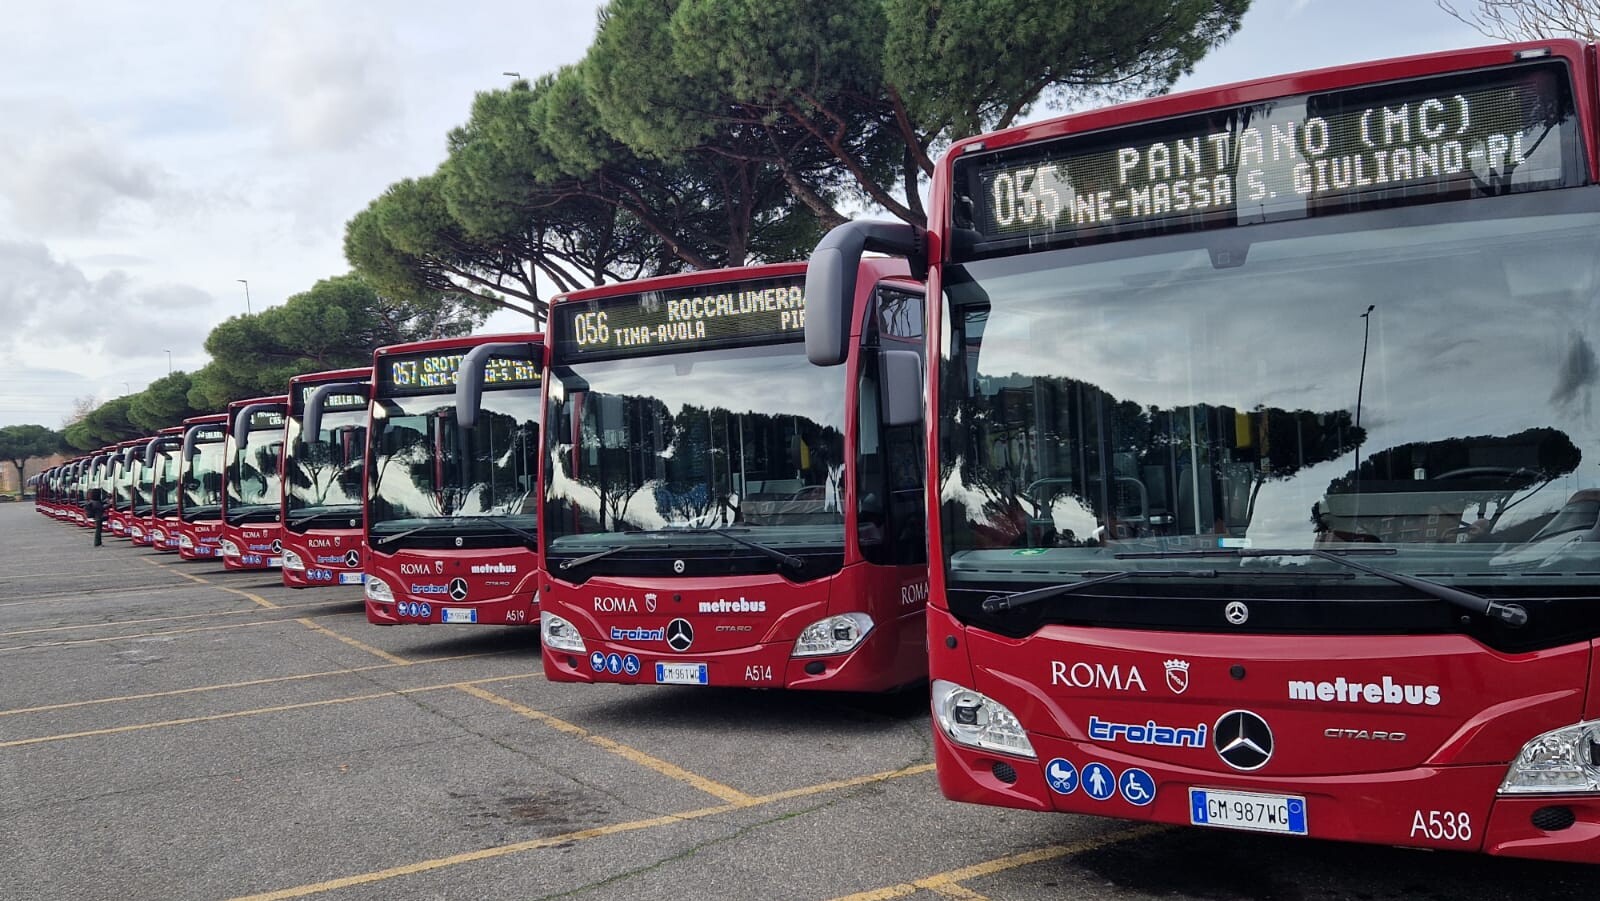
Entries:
{"x":559,"y":635}
{"x":229,"y":549}
{"x":378,"y":591}
{"x":185,"y":541}
{"x":834,"y":635}
{"x":1561,"y":761}
{"x":291,"y":560}
{"x":978,"y":721}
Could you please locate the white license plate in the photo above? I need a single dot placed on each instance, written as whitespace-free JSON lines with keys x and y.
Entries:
{"x":275,"y":561}
{"x":458,"y":615}
{"x":1248,"y":810}
{"x":681,"y":674}
{"x":352,"y":578}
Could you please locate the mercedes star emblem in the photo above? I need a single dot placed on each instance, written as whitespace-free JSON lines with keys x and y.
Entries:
{"x":277,"y":546}
{"x":1242,"y":740}
{"x":458,"y":589}
{"x":1236,"y":612}
{"x":680,"y":635}
{"x":352,"y":559}
{"x":677,"y":566}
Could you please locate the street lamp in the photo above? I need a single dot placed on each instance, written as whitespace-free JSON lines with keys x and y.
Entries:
{"x":1361,"y":383}
{"x":246,"y":283}
{"x":169,"y":362}
{"x":512,"y":74}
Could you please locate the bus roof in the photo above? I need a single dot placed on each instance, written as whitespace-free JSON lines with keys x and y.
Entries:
{"x":355,"y":374}
{"x":460,"y":343}
{"x":879,"y":267}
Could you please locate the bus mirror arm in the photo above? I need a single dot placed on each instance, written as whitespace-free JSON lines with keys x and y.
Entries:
{"x":900,"y":387}
{"x":469,"y":376}
{"x":831,"y":280}
{"x":311,"y":424}
{"x":241,"y":422}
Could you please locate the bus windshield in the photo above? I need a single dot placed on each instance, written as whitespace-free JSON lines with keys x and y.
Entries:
{"x":324,"y":475}
{"x":253,"y":484}
{"x":748,"y":437}
{"x":427,"y":473}
{"x":202,"y":481}
{"x":1418,"y":386}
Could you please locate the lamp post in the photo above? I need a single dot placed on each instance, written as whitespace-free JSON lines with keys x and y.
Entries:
{"x":512,"y":74}
{"x":169,"y":362}
{"x":1361,"y":383}
{"x":246,"y":283}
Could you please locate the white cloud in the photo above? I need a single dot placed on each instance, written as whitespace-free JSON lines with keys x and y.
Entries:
{"x":326,"y":85}
{"x":67,"y":178}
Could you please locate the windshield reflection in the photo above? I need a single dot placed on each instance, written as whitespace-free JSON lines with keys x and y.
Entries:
{"x":1157,"y":396}
{"x":325,"y":474}
{"x":426,"y":468}
{"x":202,"y":478}
{"x":752,"y":437}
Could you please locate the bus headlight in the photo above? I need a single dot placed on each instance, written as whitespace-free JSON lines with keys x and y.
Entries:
{"x":558,"y":634}
{"x":291,"y":560}
{"x":834,"y":635}
{"x":1559,"y":761}
{"x":378,"y":591}
{"x":229,"y":549}
{"x":185,"y":541}
{"x":978,"y":721}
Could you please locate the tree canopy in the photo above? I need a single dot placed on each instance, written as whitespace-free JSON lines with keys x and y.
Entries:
{"x":21,"y":443}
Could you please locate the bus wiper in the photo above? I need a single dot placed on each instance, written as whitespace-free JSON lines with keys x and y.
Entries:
{"x":590,"y":558}
{"x":332,"y":511}
{"x":1510,"y":614}
{"x":496,"y":521}
{"x":1091,"y":578}
{"x":788,"y":560}
{"x":409,"y":532}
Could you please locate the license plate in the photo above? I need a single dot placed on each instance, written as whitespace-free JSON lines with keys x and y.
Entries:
{"x":1248,"y":810}
{"x":458,"y":615}
{"x":681,"y":674}
{"x":275,"y":561}
{"x":352,"y":578}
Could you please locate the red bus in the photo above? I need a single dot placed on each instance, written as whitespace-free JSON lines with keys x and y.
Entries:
{"x":119,"y":515}
{"x":200,"y":477}
{"x":719,"y":512}
{"x":325,"y":445}
{"x":1257,"y":409}
{"x":451,"y":500}
{"x":251,"y":497}
{"x":161,"y":483}
{"x":138,"y":515}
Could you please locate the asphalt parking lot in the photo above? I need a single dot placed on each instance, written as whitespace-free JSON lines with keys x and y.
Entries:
{"x":171,"y":730}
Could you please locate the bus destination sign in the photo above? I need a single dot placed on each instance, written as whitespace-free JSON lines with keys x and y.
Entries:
{"x":749,"y":312}
{"x":209,"y":434}
{"x":331,"y":403}
{"x":266,"y":419}
{"x":1453,"y":137}
{"x":437,"y":372}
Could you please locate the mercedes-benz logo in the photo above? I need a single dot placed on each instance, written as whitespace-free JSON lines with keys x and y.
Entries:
{"x":458,"y":589}
{"x":352,"y":559}
{"x":680,"y":635}
{"x":677,"y":566}
{"x":277,"y":546}
{"x":460,"y":542}
{"x":1243,"y":740}
{"x":1236,"y":612}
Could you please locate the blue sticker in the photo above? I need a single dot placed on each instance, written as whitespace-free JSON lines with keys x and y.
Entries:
{"x":1137,"y":787}
{"x":630,"y":665}
{"x":614,"y":664}
{"x":597,"y":661}
{"x":427,"y":610}
{"x":1099,"y":782}
{"x":1062,"y":776}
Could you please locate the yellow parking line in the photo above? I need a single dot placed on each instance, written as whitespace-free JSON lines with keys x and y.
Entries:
{"x":943,"y":882}
{"x":383,"y":655}
{"x":139,"y":727}
{"x":958,"y":891}
{"x":160,"y":619}
{"x":671,"y":771}
{"x":226,"y":685}
{"x":436,"y":863}
{"x":136,"y":635}
{"x":247,"y":595}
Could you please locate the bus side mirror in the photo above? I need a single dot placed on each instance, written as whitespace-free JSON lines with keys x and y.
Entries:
{"x":900,"y":387}
{"x":311,"y":422}
{"x":469,"y":375}
{"x":831,"y":280}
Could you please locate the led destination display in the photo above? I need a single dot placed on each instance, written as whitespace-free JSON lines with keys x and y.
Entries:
{"x":332,"y":403}
{"x":1459,"y":136}
{"x":266,"y":420}
{"x":212,"y":433}
{"x":748,"y":312}
{"x":437,"y":372}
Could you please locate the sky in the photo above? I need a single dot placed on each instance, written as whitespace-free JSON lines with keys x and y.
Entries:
{"x":152,"y":156}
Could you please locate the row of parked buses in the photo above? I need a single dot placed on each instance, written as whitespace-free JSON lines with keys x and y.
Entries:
{"x":1257,"y":473}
